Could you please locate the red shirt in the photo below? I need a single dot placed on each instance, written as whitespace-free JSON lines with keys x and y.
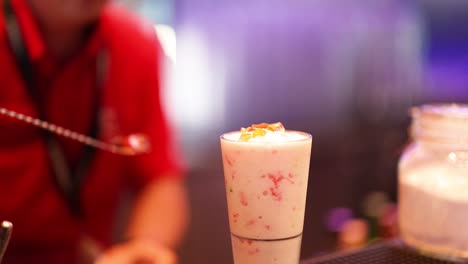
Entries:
{"x":44,"y":229}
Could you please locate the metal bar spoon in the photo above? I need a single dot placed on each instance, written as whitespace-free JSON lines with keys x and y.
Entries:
{"x":5,"y":234}
{"x":128,"y":145}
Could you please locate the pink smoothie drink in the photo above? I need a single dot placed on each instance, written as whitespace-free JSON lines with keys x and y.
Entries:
{"x":266,"y":172}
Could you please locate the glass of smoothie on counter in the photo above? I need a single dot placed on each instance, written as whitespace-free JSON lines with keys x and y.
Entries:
{"x":266,"y":169}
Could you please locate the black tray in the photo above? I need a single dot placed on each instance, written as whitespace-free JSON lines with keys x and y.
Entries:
{"x":380,"y":253}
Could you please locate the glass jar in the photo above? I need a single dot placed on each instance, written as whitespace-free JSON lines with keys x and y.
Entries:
{"x":433,"y":181}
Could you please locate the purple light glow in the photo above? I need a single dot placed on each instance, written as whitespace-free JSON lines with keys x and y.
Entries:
{"x":337,"y":217}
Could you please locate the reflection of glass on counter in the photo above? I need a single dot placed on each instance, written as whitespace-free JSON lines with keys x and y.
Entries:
{"x":266,"y":251}
{"x":433,"y":181}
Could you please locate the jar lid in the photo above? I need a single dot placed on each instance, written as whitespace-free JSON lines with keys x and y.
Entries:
{"x":441,"y":123}
{"x":457,"y":111}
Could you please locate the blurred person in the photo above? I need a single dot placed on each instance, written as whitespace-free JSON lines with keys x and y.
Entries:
{"x":91,"y":67}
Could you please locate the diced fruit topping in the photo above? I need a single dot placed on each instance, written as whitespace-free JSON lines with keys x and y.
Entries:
{"x":261,"y":129}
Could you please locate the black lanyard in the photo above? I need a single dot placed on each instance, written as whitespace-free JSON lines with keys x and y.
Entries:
{"x":68,"y":181}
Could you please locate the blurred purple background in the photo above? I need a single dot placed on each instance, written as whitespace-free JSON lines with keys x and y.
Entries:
{"x":344,"y":70}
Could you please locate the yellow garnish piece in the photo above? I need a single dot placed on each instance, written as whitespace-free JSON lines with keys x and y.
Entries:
{"x":261,"y":129}
{"x":276,"y":127}
{"x":261,"y":125}
{"x":258,"y":132}
{"x":245,"y":136}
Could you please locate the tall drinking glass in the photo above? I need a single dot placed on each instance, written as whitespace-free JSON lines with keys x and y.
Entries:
{"x":266,"y":186}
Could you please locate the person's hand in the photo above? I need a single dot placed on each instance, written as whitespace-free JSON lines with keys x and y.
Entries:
{"x":138,"y":252}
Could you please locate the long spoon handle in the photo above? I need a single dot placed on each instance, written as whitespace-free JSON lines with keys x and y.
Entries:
{"x":128,"y":145}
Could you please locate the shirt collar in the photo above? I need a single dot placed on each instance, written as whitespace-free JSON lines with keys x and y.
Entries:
{"x":33,"y":39}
